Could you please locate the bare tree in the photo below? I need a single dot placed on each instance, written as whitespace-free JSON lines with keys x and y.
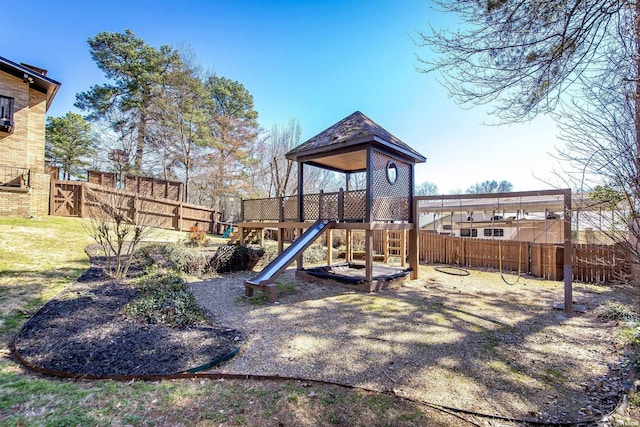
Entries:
{"x":282,"y":172}
{"x":491,"y":186}
{"x":278,"y":175}
{"x":118,"y":221}
{"x":523,"y":55}
{"x":231,"y":158}
{"x":577,"y":60}
{"x":426,"y":189}
{"x":600,"y":151}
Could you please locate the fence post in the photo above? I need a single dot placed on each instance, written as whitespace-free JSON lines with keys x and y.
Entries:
{"x":52,"y":196}
{"x":179,"y":216}
{"x":134,"y":209}
{"x":81,"y":201}
{"x":341,"y":205}
{"x":320,"y":204}
{"x":214,"y":222}
{"x":281,"y":209}
{"x":536,"y":269}
{"x":568,"y":249}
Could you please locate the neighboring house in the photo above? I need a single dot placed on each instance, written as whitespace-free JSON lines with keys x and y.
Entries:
{"x":25,"y":96}
{"x":532,"y":227}
{"x":506,"y":226}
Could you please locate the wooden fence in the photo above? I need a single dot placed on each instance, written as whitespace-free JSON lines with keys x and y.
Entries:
{"x":155,"y":187}
{"x":591,"y":263}
{"x":78,"y":198}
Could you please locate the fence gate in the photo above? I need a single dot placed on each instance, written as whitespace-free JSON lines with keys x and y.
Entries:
{"x":65,"y":199}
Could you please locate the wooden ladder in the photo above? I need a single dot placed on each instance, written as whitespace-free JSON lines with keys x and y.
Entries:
{"x":395,"y":245}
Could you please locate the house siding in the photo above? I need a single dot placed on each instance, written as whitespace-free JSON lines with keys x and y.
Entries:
{"x":24,"y":148}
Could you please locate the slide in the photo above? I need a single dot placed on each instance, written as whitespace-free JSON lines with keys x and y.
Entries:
{"x":282,"y":261}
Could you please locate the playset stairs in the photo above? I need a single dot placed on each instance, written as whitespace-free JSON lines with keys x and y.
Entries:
{"x":235,"y":238}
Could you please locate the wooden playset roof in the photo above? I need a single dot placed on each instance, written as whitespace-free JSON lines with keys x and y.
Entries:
{"x":343,"y":146}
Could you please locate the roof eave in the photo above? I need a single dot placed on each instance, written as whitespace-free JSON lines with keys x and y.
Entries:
{"x":41,"y":83}
{"x":354,"y":143}
{"x":313,"y":152}
{"x":418,"y":158}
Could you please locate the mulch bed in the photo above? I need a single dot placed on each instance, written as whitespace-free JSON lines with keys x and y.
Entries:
{"x":83,"y":332}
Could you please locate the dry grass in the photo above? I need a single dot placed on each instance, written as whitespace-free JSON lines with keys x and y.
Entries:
{"x":467,"y":342}
{"x":39,"y":257}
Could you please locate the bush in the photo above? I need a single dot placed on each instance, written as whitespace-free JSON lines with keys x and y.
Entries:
{"x":197,"y":236}
{"x":195,"y":261}
{"x":629,"y":333}
{"x":314,"y":254}
{"x":616,"y":311}
{"x":174,"y":257}
{"x":166,"y":299}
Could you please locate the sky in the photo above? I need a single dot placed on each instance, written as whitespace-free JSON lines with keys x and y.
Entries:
{"x":315,"y":61}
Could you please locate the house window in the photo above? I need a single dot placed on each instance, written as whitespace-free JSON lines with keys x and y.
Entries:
{"x":496,"y":232}
{"x":468,"y":232}
{"x":6,"y":114}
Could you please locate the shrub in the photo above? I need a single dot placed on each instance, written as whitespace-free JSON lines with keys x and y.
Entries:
{"x":195,"y":261}
{"x":616,"y":311}
{"x":166,"y":299}
{"x":174,"y":257}
{"x":629,"y":333}
{"x":314,"y":254}
{"x":197,"y":236}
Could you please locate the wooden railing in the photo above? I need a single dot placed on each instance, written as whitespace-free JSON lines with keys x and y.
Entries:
{"x":11,"y":176}
{"x":339,"y":206}
{"x":77,"y":198}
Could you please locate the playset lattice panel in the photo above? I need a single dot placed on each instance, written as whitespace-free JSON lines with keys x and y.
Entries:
{"x":316,"y":206}
{"x":290,"y":208}
{"x":270,"y":209}
{"x":329,"y":206}
{"x":354,"y":205}
{"x":261,"y":209}
{"x":390,"y":199}
{"x":311,"y":207}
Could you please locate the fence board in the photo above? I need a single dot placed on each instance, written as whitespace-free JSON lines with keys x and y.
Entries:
{"x":165,"y":213}
{"x":599,"y":263}
{"x":591,"y":263}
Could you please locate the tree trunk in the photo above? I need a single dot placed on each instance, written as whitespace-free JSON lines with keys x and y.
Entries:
{"x":185,"y":193}
{"x":140,"y":143}
{"x":634,"y":229}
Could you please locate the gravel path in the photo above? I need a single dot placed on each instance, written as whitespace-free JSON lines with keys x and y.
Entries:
{"x":466,"y":342}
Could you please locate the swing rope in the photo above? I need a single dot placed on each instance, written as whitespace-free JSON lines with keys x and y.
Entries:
{"x":519,"y":249}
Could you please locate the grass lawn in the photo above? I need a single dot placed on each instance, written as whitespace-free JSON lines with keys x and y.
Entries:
{"x":39,"y":257}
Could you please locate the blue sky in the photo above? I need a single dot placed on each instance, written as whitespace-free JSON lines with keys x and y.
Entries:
{"x":315,"y":61}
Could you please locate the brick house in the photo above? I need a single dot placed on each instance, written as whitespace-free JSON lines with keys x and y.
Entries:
{"x":25,"y":96}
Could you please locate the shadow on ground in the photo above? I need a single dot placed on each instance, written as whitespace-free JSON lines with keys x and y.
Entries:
{"x":465,"y":342}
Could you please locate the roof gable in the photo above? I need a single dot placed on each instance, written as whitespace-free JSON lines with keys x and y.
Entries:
{"x":350,"y":132}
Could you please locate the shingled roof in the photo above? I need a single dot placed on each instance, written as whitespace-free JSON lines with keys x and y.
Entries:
{"x":352,"y":132}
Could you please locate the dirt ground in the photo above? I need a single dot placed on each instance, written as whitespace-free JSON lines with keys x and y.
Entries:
{"x":473,"y":342}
